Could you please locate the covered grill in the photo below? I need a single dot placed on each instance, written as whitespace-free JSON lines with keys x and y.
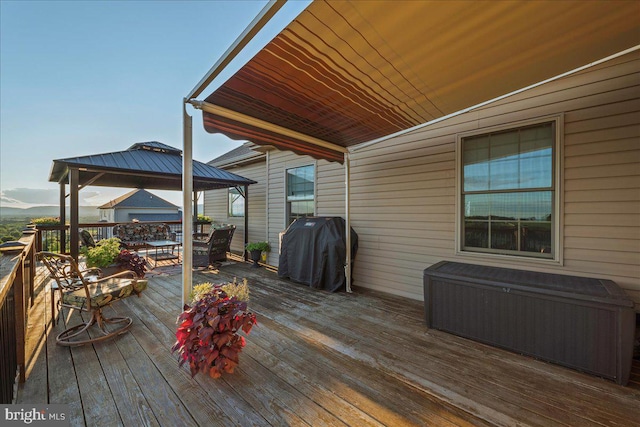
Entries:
{"x":313,"y":252}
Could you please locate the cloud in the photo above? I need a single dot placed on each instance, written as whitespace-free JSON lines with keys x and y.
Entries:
{"x":7,"y":201}
{"x":28,"y":197}
{"x":33,"y":196}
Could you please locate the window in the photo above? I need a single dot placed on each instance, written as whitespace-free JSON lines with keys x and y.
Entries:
{"x":300,"y":192}
{"x":236,"y":202}
{"x":508,"y":191}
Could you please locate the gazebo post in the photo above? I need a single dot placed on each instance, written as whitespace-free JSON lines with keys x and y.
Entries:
{"x":74,"y":238}
{"x":195,"y":205}
{"x":63,"y":219}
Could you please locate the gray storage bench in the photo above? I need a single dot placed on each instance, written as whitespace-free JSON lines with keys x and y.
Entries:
{"x":582,"y":323}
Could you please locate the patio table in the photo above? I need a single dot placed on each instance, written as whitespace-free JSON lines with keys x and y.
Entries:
{"x":162,"y":252}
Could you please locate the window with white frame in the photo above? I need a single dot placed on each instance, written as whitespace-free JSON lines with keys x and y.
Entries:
{"x":508,"y":191}
{"x":300,"y":192}
{"x":236,"y":202}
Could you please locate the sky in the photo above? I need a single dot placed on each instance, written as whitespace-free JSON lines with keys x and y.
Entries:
{"x":89,"y":77}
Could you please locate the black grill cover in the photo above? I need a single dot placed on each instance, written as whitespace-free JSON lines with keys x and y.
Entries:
{"x":313,"y":252}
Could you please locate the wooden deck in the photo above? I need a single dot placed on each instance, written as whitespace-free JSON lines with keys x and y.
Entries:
{"x":319,"y":359}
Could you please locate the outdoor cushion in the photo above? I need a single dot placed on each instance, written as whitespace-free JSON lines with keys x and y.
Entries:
{"x":104,"y":293}
{"x":136,"y":234}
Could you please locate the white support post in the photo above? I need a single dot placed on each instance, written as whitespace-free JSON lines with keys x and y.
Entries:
{"x":187,"y":207}
{"x":347,"y":182}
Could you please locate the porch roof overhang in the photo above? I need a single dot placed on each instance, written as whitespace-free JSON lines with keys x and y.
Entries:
{"x":150,"y":165}
{"x":346,"y":73}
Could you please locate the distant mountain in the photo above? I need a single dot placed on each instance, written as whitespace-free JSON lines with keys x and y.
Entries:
{"x":85,"y":212}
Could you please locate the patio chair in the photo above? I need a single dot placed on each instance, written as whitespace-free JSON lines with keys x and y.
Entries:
{"x":87,"y":291}
{"x":214,"y":247}
{"x":87,"y":239}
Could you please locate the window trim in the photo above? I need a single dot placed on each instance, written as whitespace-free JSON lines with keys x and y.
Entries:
{"x":557,"y":237}
{"x":288,"y":167}
{"x":229,"y":213}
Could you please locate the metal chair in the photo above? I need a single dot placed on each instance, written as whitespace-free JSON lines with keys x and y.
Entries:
{"x":87,"y":291}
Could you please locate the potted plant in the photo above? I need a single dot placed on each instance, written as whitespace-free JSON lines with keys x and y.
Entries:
{"x":128,"y":260}
{"x":104,"y":254}
{"x":45,"y":221}
{"x":203,"y":219}
{"x":208,"y":330}
{"x":256,"y":249}
{"x":108,"y":257}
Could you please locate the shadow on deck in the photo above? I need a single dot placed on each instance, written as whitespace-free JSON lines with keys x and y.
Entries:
{"x":315,"y":358}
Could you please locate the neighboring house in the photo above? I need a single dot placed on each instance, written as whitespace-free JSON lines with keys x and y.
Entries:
{"x":566,"y":156}
{"x":139,"y":205}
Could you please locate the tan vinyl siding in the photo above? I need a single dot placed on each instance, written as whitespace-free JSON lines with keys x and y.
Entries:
{"x":403,"y":190}
{"x":330,"y":189}
{"x":329,"y":192}
{"x":216,"y":205}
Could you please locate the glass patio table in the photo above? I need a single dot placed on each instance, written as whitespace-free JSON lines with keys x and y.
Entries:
{"x":162,"y":250}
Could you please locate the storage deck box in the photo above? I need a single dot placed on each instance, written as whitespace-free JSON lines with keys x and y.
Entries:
{"x":582,"y":323}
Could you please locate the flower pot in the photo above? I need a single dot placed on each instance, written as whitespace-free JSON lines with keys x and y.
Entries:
{"x":111,"y":270}
{"x":255,"y":257}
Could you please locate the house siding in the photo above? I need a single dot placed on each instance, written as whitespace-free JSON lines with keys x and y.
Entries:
{"x":216,"y":205}
{"x":403,"y":202}
{"x":403,"y":191}
{"x":123,"y":214}
{"x":329,"y":192}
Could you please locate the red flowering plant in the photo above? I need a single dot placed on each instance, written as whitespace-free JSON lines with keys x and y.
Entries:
{"x":207,"y":335}
{"x":132,"y":261}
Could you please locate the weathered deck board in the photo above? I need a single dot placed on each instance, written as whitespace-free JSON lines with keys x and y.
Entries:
{"x":36,"y":347}
{"x":97,"y":399}
{"x":254,"y":372}
{"x":366,"y":346}
{"x":362,"y":359}
{"x":159,"y":341}
{"x":127,"y":389}
{"x":63,"y":386}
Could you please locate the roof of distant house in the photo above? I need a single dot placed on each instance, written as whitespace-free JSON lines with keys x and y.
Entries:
{"x":138,"y":199}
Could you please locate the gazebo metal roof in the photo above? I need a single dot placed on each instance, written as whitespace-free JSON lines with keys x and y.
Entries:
{"x":151,"y":165}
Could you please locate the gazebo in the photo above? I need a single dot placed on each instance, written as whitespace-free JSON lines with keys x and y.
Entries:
{"x":149,"y":165}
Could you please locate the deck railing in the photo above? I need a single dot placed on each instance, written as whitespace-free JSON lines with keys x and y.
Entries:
{"x":55,"y":238}
{"x":17,"y":276}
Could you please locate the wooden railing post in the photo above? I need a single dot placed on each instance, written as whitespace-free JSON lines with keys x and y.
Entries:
{"x":21,"y":316}
{"x":16,"y":286}
{"x":30,"y":263}
{"x":38,"y":240}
